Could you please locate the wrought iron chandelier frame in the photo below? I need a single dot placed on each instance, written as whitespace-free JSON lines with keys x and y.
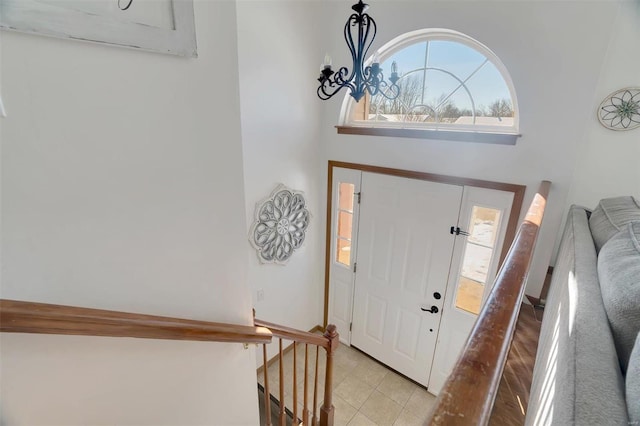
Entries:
{"x":362,"y":78}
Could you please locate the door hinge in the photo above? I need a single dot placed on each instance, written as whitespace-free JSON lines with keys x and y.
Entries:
{"x":457,"y":231}
{"x":359,"y":194}
{"x":350,"y":326}
{"x":355,"y":267}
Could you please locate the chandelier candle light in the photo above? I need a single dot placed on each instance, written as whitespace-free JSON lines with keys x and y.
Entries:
{"x":361,"y":79}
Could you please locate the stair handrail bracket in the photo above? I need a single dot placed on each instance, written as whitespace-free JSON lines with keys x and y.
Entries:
{"x":468,"y":395}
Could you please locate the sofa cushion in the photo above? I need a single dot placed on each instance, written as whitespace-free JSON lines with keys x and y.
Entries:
{"x":610,"y":216}
{"x":633,"y":384}
{"x":619,"y":274}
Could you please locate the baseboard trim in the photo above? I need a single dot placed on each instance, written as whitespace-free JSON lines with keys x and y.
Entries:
{"x":286,"y":350}
{"x":535,"y":301}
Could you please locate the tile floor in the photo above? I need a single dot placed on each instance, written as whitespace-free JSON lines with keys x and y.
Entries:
{"x":365,"y":391}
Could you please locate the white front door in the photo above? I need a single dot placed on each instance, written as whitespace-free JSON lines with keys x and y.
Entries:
{"x":484,"y":215}
{"x":404,"y":254}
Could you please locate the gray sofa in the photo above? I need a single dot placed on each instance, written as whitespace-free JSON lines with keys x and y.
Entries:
{"x":587,"y":369}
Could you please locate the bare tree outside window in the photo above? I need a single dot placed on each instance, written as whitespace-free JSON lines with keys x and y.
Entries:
{"x":500,"y":108}
{"x":408,"y":108}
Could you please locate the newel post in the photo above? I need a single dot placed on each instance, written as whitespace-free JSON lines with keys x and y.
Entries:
{"x":327,"y":409}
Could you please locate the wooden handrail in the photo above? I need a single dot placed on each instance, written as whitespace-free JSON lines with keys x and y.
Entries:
{"x":43,"y":318}
{"x":299,"y":336}
{"x":468,"y":395}
{"x":29,"y":317}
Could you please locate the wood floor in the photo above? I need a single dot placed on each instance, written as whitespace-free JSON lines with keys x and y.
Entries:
{"x":511,"y":402}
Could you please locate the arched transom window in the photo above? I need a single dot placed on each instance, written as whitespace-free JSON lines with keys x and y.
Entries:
{"x":450,"y":85}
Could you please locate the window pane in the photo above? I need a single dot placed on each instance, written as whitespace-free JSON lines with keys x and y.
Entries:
{"x":484,"y":226}
{"x":343,"y":254}
{"x":346,"y":196}
{"x":469,"y":295}
{"x":407,"y":59}
{"x":455,"y":57}
{"x":444,"y":84}
{"x":483,"y":230}
{"x":344,"y":225}
{"x":476,"y":262}
{"x":492,"y":96}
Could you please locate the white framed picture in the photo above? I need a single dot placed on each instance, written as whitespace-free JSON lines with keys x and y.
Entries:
{"x":165,"y":26}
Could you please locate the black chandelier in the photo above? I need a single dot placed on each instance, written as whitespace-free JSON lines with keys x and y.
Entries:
{"x":362,"y":79}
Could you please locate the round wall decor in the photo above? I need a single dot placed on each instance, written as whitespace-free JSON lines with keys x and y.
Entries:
{"x":621,"y":109}
{"x":281,"y":221}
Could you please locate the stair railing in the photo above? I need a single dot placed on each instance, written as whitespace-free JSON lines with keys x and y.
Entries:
{"x":43,"y":318}
{"x":329,"y":342}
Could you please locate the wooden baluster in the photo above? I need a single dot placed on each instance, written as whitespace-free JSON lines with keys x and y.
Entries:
{"x":267,"y":395}
{"x":314,"y":422}
{"x":327,"y":410}
{"x":295,"y":385}
{"x":305,"y":410}
{"x":280,"y":361}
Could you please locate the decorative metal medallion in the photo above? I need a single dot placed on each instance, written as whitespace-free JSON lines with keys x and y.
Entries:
{"x":621,"y":109}
{"x":281,"y":222}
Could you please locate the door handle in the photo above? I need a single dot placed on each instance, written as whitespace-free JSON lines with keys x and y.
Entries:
{"x":433,"y":310}
{"x":457,"y":231}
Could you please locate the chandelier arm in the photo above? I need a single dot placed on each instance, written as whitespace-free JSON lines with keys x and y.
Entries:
{"x":372,"y":80}
{"x":336,"y":82}
{"x":361,"y":72}
{"x":353,"y":20}
{"x":324,"y":94}
{"x":340,"y":76}
{"x":370,"y":23}
{"x":353,"y":49}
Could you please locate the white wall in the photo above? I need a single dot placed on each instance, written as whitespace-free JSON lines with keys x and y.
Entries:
{"x":280,"y":125}
{"x":608,"y":162}
{"x":122,"y":188}
{"x":553,"y":50}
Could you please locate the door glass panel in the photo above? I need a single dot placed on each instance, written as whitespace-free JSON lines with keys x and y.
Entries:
{"x":344,"y":225}
{"x":346,"y":196}
{"x":484,"y":226}
{"x":476,"y":260}
{"x":345,"y":221}
{"x":343,"y":254}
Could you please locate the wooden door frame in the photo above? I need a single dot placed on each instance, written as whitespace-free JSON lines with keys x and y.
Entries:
{"x":516,"y":206}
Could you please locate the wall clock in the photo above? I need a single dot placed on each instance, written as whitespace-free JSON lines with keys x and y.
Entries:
{"x":621,"y":109}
